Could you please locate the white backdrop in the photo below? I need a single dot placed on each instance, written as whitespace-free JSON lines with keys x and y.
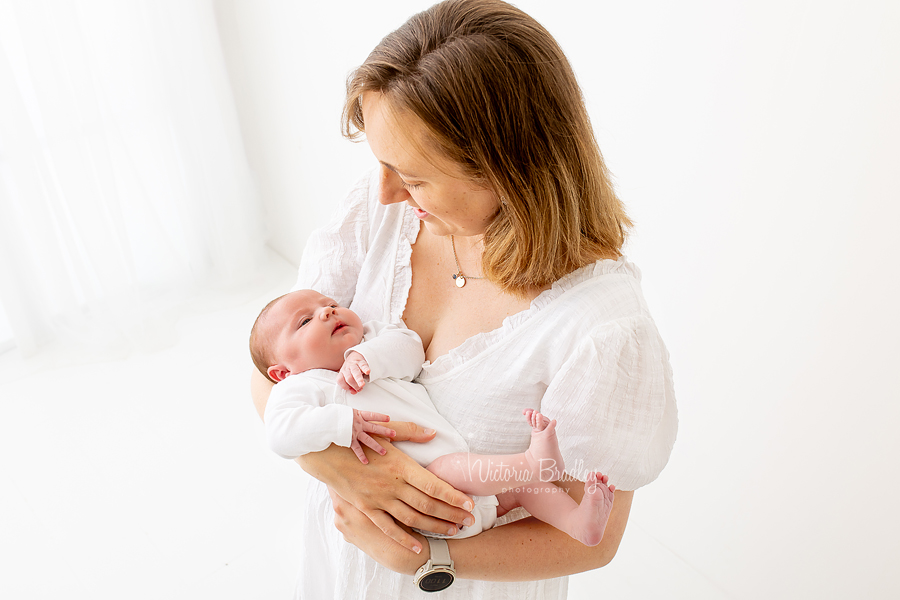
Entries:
{"x":752,"y":143}
{"x":124,"y":187}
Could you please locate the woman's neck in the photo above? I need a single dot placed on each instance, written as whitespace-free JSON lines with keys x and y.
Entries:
{"x":443,"y":314}
{"x":467,"y":251}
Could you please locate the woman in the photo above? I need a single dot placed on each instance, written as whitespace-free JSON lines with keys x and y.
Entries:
{"x":491,"y":228}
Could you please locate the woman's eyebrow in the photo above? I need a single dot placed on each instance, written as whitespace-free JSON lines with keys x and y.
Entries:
{"x":395,"y":170}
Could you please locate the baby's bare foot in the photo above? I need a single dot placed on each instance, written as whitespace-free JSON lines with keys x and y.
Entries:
{"x":543,"y":454}
{"x":593,"y":512}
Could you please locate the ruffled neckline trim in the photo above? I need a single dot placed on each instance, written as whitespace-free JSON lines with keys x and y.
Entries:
{"x":409,"y":232}
{"x":481,"y":342}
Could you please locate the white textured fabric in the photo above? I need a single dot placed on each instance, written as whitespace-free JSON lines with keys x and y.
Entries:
{"x":586,"y":353}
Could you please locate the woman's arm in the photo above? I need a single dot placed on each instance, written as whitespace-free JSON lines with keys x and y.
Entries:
{"x":504,"y":553}
{"x":392,"y":485}
{"x":524,"y":550}
{"x":260,"y":388}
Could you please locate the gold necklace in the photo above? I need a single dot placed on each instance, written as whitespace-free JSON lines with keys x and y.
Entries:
{"x":459,"y":277}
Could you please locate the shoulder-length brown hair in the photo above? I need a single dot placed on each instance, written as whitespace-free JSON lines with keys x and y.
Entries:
{"x":499,"y":97}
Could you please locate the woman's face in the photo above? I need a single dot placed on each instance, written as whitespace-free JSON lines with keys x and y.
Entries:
{"x":440,"y":194}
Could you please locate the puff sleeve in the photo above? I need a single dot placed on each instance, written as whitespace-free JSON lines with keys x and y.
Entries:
{"x":613,"y":401}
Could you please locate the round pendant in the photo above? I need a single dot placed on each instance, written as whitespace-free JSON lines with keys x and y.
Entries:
{"x":460,"y":281}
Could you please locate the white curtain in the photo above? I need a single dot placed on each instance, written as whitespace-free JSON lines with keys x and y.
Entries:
{"x":124,"y":188}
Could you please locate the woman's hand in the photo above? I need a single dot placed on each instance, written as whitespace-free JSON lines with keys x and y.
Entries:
{"x":506,"y":553}
{"x":365,"y":535}
{"x":391,"y":487}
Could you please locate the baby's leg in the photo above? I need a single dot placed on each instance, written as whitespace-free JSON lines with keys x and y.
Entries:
{"x":543,"y":453}
{"x":492,"y":474}
{"x":586,"y":522}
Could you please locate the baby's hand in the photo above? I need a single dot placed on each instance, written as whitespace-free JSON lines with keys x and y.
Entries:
{"x":361,"y":430}
{"x":354,"y":373}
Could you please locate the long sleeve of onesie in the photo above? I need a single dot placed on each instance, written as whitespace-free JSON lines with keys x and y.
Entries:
{"x":302,"y":416}
{"x":391,"y":351}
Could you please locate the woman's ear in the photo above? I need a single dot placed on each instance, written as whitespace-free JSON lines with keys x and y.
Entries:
{"x":277,"y":373}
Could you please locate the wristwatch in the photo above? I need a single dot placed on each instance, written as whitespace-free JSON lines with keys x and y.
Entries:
{"x":438,"y":573}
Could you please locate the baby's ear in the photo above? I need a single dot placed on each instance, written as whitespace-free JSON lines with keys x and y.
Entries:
{"x":277,"y":373}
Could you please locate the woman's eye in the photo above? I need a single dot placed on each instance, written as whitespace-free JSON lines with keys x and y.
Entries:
{"x":410,"y":186}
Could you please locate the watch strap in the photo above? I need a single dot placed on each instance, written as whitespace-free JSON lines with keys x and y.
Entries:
{"x":440,"y":552}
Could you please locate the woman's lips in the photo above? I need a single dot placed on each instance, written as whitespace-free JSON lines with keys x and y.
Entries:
{"x":419,"y":212}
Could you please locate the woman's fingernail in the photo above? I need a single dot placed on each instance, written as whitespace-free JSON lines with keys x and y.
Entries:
{"x":468,"y":505}
{"x":429,"y":431}
{"x":468,"y":521}
{"x":451,"y":531}
{"x":417,"y":549}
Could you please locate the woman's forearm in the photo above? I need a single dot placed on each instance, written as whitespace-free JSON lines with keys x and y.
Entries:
{"x":525,"y":550}
{"x":530,"y":549}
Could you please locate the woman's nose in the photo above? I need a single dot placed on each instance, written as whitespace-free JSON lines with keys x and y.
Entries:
{"x":390,"y":190}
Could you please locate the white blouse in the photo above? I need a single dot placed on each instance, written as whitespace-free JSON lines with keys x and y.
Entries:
{"x":586,"y":353}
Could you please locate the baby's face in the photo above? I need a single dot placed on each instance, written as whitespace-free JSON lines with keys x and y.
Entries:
{"x":310,"y":331}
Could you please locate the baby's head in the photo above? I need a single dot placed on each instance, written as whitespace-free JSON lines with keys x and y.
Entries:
{"x":300,"y":331}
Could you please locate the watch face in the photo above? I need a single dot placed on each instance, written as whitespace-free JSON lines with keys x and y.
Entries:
{"x":435,"y":582}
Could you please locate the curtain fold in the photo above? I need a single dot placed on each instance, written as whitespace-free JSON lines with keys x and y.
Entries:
{"x":124,"y":188}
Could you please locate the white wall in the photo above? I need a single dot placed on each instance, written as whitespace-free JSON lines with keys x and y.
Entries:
{"x":288,"y":62}
{"x":753,"y":144}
